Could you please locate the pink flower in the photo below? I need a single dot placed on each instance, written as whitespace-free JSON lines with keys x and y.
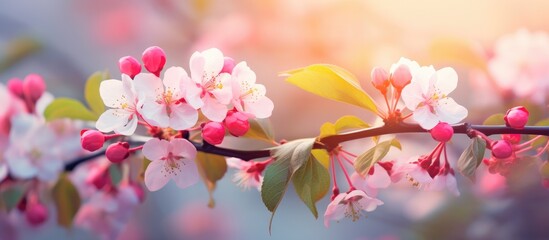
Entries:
{"x":248,"y":172}
{"x":350,"y":205}
{"x":380,"y":79}
{"x":427,"y":96}
{"x":210,"y":89}
{"x":162,"y":102}
{"x":248,"y":96}
{"x":170,"y":160}
{"x":444,"y":180}
{"x":121,"y":98}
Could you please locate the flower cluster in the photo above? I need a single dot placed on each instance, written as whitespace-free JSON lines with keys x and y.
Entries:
{"x":224,"y":93}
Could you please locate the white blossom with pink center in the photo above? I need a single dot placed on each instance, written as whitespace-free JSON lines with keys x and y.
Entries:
{"x":120,"y":97}
{"x":427,"y":96}
{"x":350,"y":205}
{"x":246,"y":176}
{"x":248,"y":96}
{"x":210,"y":89}
{"x":162,"y":103}
{"x":170,"y":160}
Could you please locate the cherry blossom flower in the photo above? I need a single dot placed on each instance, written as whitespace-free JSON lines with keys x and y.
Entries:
{"x":163,"y":104}
{"x":210,"y":89}
{"x":170,"y":160}
{"x":120,"y":96}
{"x":30,"y":153}
{"x":427,"y":96}
{"x":444,"y":180}
{"x":379,"y":176}
{"x":248,"y":172}
{"x":248,"y":96}
{"x":350,"y":205}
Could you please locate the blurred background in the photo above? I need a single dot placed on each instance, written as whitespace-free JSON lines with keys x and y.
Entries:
{"x":66,"y":41}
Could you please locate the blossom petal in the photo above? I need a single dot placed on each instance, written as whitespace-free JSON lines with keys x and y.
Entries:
{"x":193,"y":95}
{"x":380,"y":178}
{"x":412,"y":95}
{"x":369,"y":204}
{"x":155,"y":175}
{"x":223,"y":94}
{"x":112,"y":92}
{"x":206,"y":65}
{"x":155,"y":149}
{"x":172,"y":81}
{"x":244,"y":77}
{"x":449,"y":111}
{"x":214,"y":110}
{"x":148,"y":85}
{"x":128,"y":128}
{"x":183,"y":116}
{"x":238,"y":163}
{"x":49,"y":168}
{"x":335,"y":211}
{"x":3,"y":171}
{"x":261,"y":108}
{"x":155,"y":113}
{"x":447,"y":80}
{"x":112,"y":119}
{"x":425,"y":118}
{"x":188,"y":175}
{"x":183,"y":148}
{"x":20,"y":167}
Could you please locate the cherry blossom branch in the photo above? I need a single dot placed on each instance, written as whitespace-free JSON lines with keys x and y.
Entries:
{"x":333,"y":141}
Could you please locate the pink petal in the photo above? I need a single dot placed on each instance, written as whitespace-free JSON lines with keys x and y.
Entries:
{"x":193,"y":95}
{"x":206,"y":65}
{"x":261,"y":108}
{"x":238,"y":163}
{"x":155,"y":113}
{"x":183,"y":148}
{"x":223,"y":94}
{"x":335,"y":211}
{"x":380,"y":178}
{"x":369,"y":204}
{"x":188,"y":175}
{"x":155,"y":175}
{"x":214,"y":110}
{"x":172,"y":81}
{"x":148,"y":85}
{"x":155,"y":149}
{"x":183,"y":116}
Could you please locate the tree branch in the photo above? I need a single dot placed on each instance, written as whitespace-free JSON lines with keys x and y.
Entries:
{"x":333,"y":141}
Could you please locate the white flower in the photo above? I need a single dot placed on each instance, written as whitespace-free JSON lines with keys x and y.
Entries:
{"x":350,"y":205}
{"x":162,"y":103}
{"x":120,"y":96}
{"x":248,"y":96}
{"x":427,"y":96}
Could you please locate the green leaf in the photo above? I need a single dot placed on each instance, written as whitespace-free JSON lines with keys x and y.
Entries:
{"x":365,"y":161}
{"x":288,"y":158}
{"x":261,"y":129}
{"x":91,"y":92}
{"x":311,"y":182}
{"x":115,"y":172}
{"x":342,"y":124}
{"x":496,"y":119}
{"x":11,"y":197}
{"x":331,"y":82}
{"x":322,"y":156}
{"x":67,"y":200}
{"x":212,"y":168}
{"x":68,"y":108}
{"x":471,"y":158}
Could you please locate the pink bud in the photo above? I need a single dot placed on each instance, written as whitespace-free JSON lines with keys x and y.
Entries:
{"x":117,"y":152}
{"x":15,"y":85}
{"x":228,"y":65}
{"x":99,"y":176}
{"x":213,"y":132}
{"x":129,"y":65}
{"x":237,"y":123}
{"x":36,"y":213}
{"x":154,"y":59}
{"x":380,"y":79}
{"x":545,"y":183}
{"x":512,"y":138}
{"x":502,"y":149}
{"x":401,"y":77}
{"x":442,"y":132}
{"x":33,"y":87}
{"x":516,"y":117}
{"x":92,"y":140}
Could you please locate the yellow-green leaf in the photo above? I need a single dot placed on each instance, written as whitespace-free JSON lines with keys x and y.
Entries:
{"x":496,"y":119}
{"x":91,"y":92}
{"x":322,"y":156}
{"x":365,"y":161}
{"x":342,"y":124}
{"x":67,"y":200}
{"x":68,"y":108}
{"x":311,"y":182}
{"x":331,"y":82}
{"x":212,"y":168}
{"x":261,"y":129}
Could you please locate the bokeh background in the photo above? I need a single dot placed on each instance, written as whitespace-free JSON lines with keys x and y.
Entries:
{"x":65,"y":41}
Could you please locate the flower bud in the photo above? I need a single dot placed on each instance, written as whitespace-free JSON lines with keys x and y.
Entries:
{"x":228,"y":65}
{"x":33,"y":87}
{"x":15,"y":85}
{"x":92,"y":140}
{"x":380,"y":79}
{"x":117,"y":152}
{"x":36,"y":213}
{"x":237,"y":123}
{"x":154,"y":59}
{"x":516,"y":117}
{"x":401,"y":77}
{"x":213,"y":133}
{"x":502,"y":149}
{"x":442,"y":132}
{"x":512,"y":138}
{"x":129,"y":65}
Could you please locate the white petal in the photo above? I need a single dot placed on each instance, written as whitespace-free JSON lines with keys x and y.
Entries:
{"x":155,"y":149}
{"x":193,"y":96}
{"x":112,"y":119}
{"x":3,"y":171}
{"x":206,"y":65}
{"x":449,"y":111}
{"x":148,"y":85}
{"x":369,"y":204}
{"x":21,"y":167}
{"x":188,"y":175}
{"x":183,"y":116}
{"x":261,"y":108}
{"x":155,"y":176}
{"x":244,"y":77}
{"x":425,"y":118}
{"x":214,"y":110}
{"x":42,"y":103}
{"x":172,"y":81}
{"x":129,"y":90}
{"x":128,"y":128}
{"x":237,"y":163}
{"x":183,"y":148}
{"x":155,"y":113}
{"x":451,"y":184}
{"x":425,"y":77}
{"x":380,"y":178}
{"x":223,"y":94}
{"x":49,"y":168}
{"x":112,"y":92}
{"x":335,"y":211}
{"x":447,"y":80}
{"x":412,"y":95}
